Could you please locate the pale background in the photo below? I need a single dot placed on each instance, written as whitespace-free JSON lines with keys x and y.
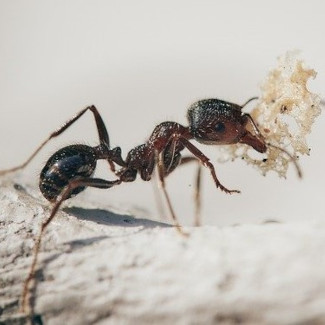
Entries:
{"x":143,"y":62}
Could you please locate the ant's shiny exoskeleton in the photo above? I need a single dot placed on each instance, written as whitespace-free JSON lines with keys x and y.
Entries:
{"x":69,"y":170}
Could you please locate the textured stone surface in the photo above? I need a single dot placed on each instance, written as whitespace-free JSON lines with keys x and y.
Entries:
{"x":103,"y":267}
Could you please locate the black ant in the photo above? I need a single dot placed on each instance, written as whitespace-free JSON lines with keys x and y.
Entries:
{"x":69,"y":171}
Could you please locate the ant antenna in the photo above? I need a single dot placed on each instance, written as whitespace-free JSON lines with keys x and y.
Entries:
{"x":250,"y":100}
{"x":292,"y":158}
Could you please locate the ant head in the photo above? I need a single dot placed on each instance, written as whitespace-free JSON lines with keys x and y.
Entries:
{"x":213,"y":121}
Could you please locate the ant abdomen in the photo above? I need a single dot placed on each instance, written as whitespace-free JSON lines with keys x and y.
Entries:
{"x":65,"y":165}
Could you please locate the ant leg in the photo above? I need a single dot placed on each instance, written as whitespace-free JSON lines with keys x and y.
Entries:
{"x":206,"y":162}
{"x":102,"y":132}
{"x":87,"y":182}
{"x":197,"y":197}
{"x":197,"y":189}
{"x":161,"y":175}
{"x":157,"y":196}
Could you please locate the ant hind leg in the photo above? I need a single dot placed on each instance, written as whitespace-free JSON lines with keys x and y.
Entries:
{"x":102,"y":133}
{"x":79,"y":182}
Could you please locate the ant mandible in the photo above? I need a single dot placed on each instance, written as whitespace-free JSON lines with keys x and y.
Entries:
{"x":69,"y":171}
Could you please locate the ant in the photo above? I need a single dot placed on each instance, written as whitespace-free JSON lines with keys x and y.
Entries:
{"x":69,"y":170}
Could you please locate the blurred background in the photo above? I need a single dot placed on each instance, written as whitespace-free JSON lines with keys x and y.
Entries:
{"x":144,"y":62}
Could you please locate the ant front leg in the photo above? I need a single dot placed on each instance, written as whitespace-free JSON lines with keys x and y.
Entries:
{"x":66,"y":193}
{"x":102,"y":133}
{"x":206,"y":162}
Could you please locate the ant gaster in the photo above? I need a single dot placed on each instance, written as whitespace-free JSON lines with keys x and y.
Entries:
{"x":69,"y":170}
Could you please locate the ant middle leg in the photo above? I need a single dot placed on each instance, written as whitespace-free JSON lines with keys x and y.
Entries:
{"x":197,"y":188}
{"x":73,"y":184}
{"x":102,"y":133}
{"x":196,"y":195}
{"x":161,"y":174}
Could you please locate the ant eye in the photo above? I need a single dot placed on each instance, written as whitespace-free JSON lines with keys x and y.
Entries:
{"x":220,"y":127}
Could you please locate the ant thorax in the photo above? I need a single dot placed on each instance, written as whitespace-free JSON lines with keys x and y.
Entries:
{"x":165,"y":132}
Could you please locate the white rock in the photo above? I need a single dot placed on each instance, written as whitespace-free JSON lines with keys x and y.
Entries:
{"x":100,"y":267}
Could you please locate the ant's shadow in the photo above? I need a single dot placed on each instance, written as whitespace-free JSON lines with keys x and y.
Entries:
{"x":109,"y":218}
{"x":101,"y":217}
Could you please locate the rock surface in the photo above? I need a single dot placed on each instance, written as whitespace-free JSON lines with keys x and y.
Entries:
{"x":102,"y":267}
